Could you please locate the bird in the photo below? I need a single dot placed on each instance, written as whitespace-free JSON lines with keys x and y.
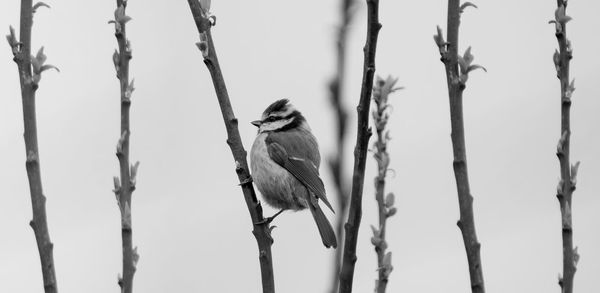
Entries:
{"x":284,"y":161}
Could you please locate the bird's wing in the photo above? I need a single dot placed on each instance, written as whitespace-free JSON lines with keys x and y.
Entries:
{"x":289,"y":150}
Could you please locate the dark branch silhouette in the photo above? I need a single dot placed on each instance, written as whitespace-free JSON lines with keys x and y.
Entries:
{"x":568,"y":172}
{"x":457,"y":74}
{"x":360,"y":152}
{"x":30,"y":73}
{"x":124,"y":187}
{"x":204,"y":21}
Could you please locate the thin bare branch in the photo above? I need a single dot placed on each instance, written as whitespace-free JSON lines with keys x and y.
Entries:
{"x":126,"y":186}
{"x":360,"y":152}
{"x":204,"y":20}
{"x":30,"y":73}
{"x":457,"y":70}
{"x":568,"y":172}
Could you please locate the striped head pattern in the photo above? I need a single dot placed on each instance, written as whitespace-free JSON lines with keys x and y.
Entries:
{"x":280,"y":116}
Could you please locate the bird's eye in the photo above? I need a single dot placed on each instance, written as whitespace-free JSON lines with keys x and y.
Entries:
{"x":271,"y":119}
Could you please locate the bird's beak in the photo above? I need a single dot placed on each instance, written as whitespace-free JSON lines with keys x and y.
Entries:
{"x":256,"y":123}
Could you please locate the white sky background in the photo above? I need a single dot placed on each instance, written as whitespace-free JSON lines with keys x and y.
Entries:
{"x":190,"y":221}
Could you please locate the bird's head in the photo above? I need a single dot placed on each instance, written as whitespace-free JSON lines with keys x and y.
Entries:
{"x":280,"y":116}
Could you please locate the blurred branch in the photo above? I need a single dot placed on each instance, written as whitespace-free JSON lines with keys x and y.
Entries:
{"x":261,"y":230}
{"x":568,"y":173}
{"x":125,"y":187}
{"x":30,"y":73}
{"x":360,"y":152}
{"x":385,"y":205}
{"x":336,"y":162}
{"x":457,"y":74}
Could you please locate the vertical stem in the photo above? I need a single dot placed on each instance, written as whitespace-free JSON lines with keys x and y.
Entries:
{"x":567,"y":175}
{"x":382,"y":280}
{"x":360,"y":152}
{"x":466,"y":223}
{"x":380,"y":151}
{"x":261,"y":229}
{"x":22,"y":56}
{"x":385,"y":209}
{"x":127,"y":178}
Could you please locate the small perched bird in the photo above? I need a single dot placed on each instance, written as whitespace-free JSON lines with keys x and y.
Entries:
{"x":285,"y":165}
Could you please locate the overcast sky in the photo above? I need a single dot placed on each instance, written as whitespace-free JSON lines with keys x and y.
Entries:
{"x":190,"y":221}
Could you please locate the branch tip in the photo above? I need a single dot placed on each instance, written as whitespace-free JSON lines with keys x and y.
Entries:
{"x":38,"y":5}
{"x":120,"y":19}
{"x":561,"y":16}
{"x":465,"y":5}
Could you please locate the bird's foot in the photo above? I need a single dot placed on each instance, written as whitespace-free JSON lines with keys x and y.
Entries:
{"x":270,"y":219}
{"x":246,"y":181}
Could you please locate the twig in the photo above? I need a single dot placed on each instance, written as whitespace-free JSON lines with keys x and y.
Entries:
{"x":385,"y":205}
{"x":261,"y":230}
{"x":457,"y":74}
{"x":336,"y":163}
{"x":568,"y":173}
{"x":360,"y":152}
{"x":30,"y":73}
{"x":126,"y":185}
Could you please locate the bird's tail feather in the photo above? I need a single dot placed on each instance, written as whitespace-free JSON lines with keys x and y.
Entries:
{"x":325,"y":229}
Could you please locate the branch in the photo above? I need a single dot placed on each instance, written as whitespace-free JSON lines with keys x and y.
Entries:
{"x":261,"y":230}
{"x":457,"y":70}
{"x":126,"y":185}
{"x":568,"y":173}
{"x":30,"y":73}
{"x":385,"y":205}
{"x":360,"y":151}
{"x":336,"y":162}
